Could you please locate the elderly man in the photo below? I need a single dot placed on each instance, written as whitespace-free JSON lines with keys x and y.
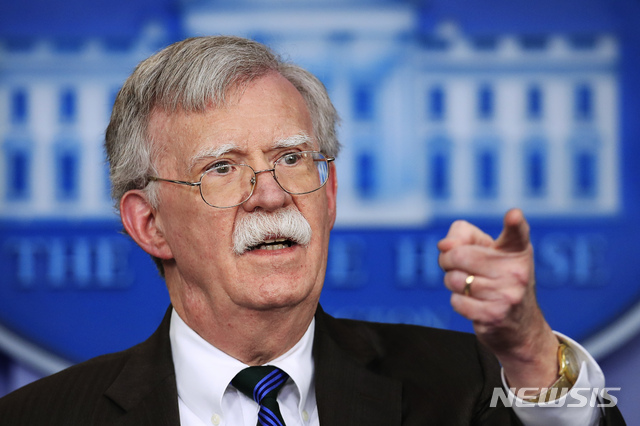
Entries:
{"x":222,"y":166}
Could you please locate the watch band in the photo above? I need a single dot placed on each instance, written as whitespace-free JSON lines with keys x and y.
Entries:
{"x":568,"y":370}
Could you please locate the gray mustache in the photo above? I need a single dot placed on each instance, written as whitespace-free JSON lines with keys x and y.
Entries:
{"x":257,"y":227}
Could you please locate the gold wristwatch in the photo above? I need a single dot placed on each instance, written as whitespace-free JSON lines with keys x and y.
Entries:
{"x":568,"y":370}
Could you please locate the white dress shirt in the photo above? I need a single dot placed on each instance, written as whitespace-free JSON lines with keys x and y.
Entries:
{"x":205,"y":396}
{"x":567,"y":410}
{"x":203,"y":374}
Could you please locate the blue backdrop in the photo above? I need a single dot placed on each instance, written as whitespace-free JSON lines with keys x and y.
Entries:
{"x":473,"y":108}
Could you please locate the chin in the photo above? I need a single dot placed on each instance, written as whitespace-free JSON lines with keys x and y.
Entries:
{"x":281,"y":296}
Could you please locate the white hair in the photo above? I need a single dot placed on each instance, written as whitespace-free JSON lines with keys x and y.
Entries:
{"x":193,"y":75}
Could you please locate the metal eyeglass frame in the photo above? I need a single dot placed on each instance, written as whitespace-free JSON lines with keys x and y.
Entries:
{"x":253,"y":179}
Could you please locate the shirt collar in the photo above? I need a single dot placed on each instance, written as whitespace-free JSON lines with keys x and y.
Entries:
{"x":203,"y":372}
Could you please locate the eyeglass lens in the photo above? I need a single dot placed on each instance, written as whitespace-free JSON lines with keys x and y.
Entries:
{"x":227,"y":185}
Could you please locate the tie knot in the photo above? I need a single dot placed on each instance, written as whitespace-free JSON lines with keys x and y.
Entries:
{"x":259,"y":383}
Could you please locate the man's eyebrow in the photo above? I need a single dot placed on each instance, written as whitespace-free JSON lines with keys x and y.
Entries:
{"x":211,"y":153}
{"x":218,"y":151}
{"x":292,"y":141}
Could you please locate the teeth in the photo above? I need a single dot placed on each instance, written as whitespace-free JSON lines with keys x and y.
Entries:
{"x":279,"y":240}
{"x":277,"y":244}
{"x":273,"y":247}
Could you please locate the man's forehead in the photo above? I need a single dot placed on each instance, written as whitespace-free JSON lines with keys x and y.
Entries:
{"x":248,"y":121}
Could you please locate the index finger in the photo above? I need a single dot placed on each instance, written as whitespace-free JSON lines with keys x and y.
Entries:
{"x":515,"y":233}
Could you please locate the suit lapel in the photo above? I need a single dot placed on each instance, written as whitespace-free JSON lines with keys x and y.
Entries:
{"x":347,"y":392}
{"x":146,"y":386}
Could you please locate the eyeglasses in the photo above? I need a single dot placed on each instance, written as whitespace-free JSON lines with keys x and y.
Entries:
{"x":228,"y":185}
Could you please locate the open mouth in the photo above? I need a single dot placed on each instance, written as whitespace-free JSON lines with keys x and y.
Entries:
{"x":277,"y":244}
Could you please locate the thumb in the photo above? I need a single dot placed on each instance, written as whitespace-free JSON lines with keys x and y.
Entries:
{"x":515,"y":234}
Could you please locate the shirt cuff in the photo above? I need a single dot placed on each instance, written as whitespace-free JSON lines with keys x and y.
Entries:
{"x":579,"y":407}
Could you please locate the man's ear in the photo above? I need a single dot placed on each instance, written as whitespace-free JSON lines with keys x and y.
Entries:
{"x":331,"y":188}
{"x":140,"y":222}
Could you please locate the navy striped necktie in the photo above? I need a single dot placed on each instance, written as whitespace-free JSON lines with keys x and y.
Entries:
{"x":262,"y":384}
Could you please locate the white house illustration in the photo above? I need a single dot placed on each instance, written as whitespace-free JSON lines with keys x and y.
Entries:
{"x":433,"y":124}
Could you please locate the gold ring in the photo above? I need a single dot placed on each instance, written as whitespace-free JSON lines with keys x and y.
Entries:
{"x":467,"y":285}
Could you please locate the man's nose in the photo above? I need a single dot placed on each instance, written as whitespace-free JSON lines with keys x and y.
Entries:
{"x":267,"y":194}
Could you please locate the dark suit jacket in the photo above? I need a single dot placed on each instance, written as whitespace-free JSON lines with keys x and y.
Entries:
{"x":366,"y":374}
